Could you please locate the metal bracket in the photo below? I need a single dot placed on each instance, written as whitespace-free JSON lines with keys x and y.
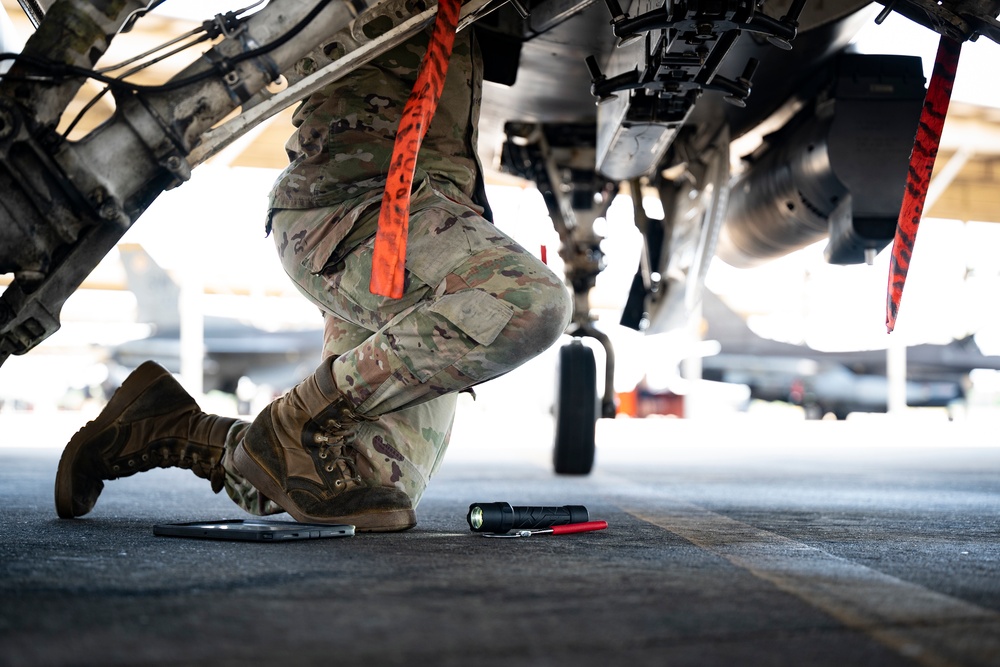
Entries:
{"x":358,"y":49}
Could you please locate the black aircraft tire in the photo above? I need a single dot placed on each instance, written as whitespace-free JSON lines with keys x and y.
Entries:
{"x":576,"y":410}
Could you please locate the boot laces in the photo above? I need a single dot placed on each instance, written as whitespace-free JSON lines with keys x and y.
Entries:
{"x":337,"y":453}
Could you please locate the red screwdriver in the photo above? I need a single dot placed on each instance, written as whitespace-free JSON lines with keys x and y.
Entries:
{"x":563,"y":529}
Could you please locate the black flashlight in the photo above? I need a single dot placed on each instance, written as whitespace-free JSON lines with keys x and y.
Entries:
{"x":501,"y":517}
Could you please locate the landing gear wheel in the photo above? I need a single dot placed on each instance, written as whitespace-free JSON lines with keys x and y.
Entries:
{"x":576,"y":410}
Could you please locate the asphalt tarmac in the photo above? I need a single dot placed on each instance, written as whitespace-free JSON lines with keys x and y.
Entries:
{"x":744,"y":542}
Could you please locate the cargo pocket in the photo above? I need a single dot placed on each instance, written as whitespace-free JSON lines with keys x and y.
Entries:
{"x":481,"y":316}
{"x":452,"y":326}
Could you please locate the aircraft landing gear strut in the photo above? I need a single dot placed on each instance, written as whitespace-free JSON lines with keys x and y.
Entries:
{"x":577,"y":407}
{"x":561,"y":162}
{"x":575,"y":198}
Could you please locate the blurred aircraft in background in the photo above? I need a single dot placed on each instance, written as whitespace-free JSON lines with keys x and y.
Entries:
{"x":109,"y":334}
{"x":835,"y":383}
{"x":239,"y":356}
{"x":821,"y":383}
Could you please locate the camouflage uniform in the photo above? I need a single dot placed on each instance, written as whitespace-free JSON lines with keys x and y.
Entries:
{"x":476,"y":304}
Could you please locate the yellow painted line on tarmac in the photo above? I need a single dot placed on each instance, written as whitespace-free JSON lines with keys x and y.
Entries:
{"x":931,"y":628}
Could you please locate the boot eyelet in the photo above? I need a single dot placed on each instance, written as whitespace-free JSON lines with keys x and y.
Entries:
{"x":131,"y":463}
{"x":116,"y":468}
{"x":145,"y":457}
{"x":339,"y":482}
{"x":322,"y":454}
{"x":329,"y":468}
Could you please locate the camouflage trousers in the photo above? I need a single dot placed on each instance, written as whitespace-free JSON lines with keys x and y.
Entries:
{"x":476,"y":305}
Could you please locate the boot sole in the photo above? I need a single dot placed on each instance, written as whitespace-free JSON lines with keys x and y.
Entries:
{"x":382,"y":521}
{"x":133,"y":385}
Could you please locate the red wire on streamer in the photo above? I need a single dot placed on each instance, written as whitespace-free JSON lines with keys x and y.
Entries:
{"x":925,"y":149}
{"x":389,"y":258}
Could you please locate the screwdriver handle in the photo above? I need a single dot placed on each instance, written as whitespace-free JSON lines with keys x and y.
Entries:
{"x":584,"y":527}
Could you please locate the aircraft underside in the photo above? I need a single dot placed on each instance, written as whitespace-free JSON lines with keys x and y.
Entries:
{"x":588,"y":99}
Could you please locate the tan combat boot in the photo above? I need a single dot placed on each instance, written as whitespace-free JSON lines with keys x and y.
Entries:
{"x":300,"y":453}
{"x":149,"y":422}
